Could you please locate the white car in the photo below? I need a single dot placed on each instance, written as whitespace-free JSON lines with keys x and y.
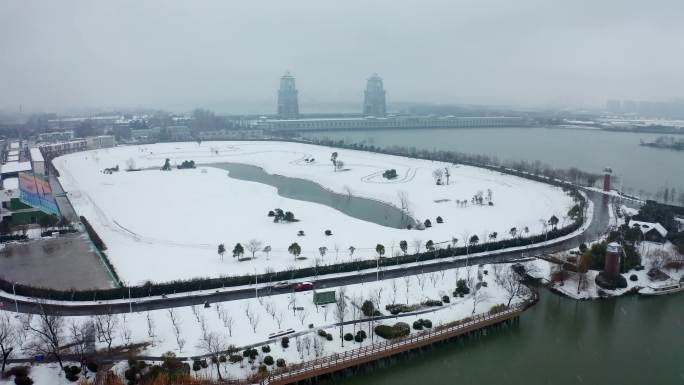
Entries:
{"x":281,"y":285}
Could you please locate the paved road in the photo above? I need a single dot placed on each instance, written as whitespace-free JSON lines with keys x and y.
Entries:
{"x":599,"y":225}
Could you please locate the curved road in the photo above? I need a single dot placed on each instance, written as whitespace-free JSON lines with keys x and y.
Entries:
{"x":600,"y":225}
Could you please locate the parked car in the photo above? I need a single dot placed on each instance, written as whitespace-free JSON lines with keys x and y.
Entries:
{"x":281,"y":285}
{"x":304,"y":286}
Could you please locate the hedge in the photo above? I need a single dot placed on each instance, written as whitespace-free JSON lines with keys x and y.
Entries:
{"x":97,"y":241}
{"x":399,"y":329}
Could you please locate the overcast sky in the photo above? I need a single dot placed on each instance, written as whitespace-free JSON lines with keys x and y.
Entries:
{"x":228,"y":55}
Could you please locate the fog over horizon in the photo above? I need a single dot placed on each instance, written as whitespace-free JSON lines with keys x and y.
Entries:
{"x":57,"y":55}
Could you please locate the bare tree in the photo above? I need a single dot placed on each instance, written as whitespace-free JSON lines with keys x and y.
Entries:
{"x":279,"y":318}
{"x":267,"y":251}
{"x":48,"y":335}
{"x":9,"y":338}
{"x":512,"y":285}
{"x":253,"y":317}
{"x":228,"y":322}
{"x":126,"y":332}
{"x":150,"y":327}
{"x":479,"y":296}
{"x":395,"y":288}
{"x":434,"y":278}
{"x":341,"y":310}
{"x":318,"y":347}
{"x":195,"y":312}
{"x":437,"y":175}
{"x":356,"y":302}
{"x":105,"y":325}
{"x":348,"y":191}
{"x":82,"y":337}
{"x":407,"y":285}
{"x":302,"y":316}
{"x":213,"y":344}
{"x":404,"y":202}
{"x":176,"y":324}
{"x":659,"y":258}
{"x":326,"y":310}
{"x":417,"y":244}
{"x":253,"y":246}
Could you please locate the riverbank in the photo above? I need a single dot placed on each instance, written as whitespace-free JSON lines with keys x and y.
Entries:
{"x":559,"y":341}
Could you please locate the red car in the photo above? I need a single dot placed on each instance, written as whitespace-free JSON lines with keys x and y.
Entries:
{"x":304,"y":286}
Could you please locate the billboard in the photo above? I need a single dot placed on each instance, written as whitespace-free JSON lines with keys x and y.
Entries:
{"x":35,"y":191}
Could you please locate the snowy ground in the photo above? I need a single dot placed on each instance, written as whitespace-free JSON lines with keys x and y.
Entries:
{"x":274,"y":313}
{"x":167,"y":225}
{"x":44,"y":374}
{"x":591,"y":291}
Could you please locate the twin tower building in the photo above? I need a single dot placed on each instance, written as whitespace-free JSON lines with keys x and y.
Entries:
{"x":373,"y":102}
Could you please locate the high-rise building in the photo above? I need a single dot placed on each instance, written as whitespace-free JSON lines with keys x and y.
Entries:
{"x":288,"y":106}
{"x":374,"y":98}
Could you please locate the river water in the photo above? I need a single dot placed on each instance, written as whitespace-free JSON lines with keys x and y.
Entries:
{"x":627,"y":340}
{"x":637,"y":167}
{"x":633,"y":340}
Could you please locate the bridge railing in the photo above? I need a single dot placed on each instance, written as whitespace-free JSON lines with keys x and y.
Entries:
{"x":367,"y":353}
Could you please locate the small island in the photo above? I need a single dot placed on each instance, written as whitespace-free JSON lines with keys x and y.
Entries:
{"x":666,"y":142}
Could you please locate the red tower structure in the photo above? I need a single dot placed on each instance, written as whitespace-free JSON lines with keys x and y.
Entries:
{"x":606,"y":178}
{"x":612,"y":265}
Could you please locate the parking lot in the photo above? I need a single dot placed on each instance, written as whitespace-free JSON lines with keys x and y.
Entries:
{"x":65,"y":262}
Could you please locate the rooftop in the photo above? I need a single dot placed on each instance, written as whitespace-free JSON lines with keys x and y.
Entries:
{"x":11,"y":167}
{"x":36,"y":156}
{"x":10,"y":183}
{"x":645,"y":227}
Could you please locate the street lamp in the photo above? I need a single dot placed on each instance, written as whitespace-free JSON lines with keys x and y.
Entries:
{"x":377,"y":266}
{"x":16,"y":304}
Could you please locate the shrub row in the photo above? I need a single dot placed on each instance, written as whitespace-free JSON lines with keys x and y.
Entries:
{"x":179,"y":286}
{"x":422,"y":323}
{"x":13,"y":237}
{"x":399,"y":329}
{"x":97,"y":241}
{"x":497,"y":308}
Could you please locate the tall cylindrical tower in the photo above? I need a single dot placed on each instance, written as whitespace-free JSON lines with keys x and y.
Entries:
{"x":607,"y":172}
{"x":612,"y":265}
{"x":288,"y":105}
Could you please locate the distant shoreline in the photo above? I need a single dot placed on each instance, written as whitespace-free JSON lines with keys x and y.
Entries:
{"x":666,"y":143}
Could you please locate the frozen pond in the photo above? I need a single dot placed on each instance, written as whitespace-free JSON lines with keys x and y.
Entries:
{"x":295,"y":188}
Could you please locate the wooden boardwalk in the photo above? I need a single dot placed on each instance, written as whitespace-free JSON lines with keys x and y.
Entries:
{"x":351,"y":358}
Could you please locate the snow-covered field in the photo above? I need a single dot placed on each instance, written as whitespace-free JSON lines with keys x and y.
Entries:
{"x":270,"y":314}
{"x":162,"y":226}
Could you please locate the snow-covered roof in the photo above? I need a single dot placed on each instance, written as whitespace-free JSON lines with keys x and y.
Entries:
{"x":15,"y":167}
{"x":36,"y":156}
{"x":14,"y":145}
{"x":645,"y":227}
{"x":10,"y":183}
{"x":13,"y":152}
